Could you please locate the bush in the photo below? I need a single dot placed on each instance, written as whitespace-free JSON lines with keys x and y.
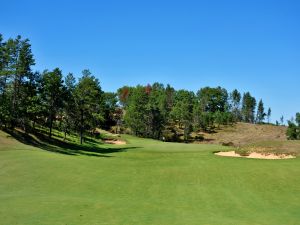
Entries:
{"x":243,"y":152}
{"x":230,"y":144}
{"x":199,"y":138}
{"x":293,"y":131}
{"x":169,"y":135}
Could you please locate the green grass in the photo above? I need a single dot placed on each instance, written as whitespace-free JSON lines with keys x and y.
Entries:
{"x":144,"y":182}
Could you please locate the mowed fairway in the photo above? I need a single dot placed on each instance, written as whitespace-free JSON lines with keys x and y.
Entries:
{"x":148,"y":182}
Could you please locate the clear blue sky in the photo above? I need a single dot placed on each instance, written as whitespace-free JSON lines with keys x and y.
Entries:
{"x":252,"y":45}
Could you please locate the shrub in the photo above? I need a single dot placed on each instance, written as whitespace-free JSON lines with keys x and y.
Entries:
{"x":293,"y":131}
{"x":243,"y":152}
{"x":169,"y":135}
{"x":199,"y":138}
{"x":228,"y":144}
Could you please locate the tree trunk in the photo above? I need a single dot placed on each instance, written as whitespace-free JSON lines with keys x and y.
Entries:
{"x":50,"y":132}
{"x":14,"y":102}
{"x":81,"y":127}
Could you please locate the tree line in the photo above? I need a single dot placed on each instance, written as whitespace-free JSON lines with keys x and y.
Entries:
{"x":156,"y":111}
{"x":48,"y":99}
{"x":30,"y":98}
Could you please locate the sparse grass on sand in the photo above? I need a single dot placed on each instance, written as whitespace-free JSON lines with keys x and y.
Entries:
{"x":275,"y":147}
{"x":241,"y":134}
{"x":143,"y":182}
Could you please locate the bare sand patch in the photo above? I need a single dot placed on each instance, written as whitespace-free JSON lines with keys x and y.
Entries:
{"x":115,"y":142}
{"x":256,"y":155}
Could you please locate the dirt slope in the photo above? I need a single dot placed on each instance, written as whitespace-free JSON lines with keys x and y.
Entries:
{"x":242,"y":134}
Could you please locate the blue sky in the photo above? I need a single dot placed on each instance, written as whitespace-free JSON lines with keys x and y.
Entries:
{"x":251,"y":45}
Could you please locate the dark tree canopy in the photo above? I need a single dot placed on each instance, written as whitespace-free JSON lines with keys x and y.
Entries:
{"x":213,"y":99}
{"x":260,"y":117}
{"x":248,"y":108}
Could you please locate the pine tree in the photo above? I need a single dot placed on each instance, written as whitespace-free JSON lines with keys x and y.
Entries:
{"x":260,"y":112}
{"x":298,"y":119}
{"x":68,"y":116}
{"x":235,"y":97}
{"x":248,"y":108}
{"x":182,"y":112}
{"x":136,"y":111}
{"x":282,"y":120}
{"x":269,"y":114}
{"x":52,"y":95}
{"x":89,"y":103}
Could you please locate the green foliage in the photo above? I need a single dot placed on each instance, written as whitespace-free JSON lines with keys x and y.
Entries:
{"x":110,"y":106}
{"x":282,"y":120}
{"x":182,"y":111}
{"x":235,"y":105}
{"x":248,"y":108}
{"x":169,"y":134}
{"x":68,"y":114}
{"x":269,"y":114}
{"x":30,"y":98}
{"x":52,"y":93}
{"x":298,"y":119}
{"x":16,"y":60}
{"x":213,"y":99}
{"x":205,"y":121}
{"x":136,"y":112}
{"x":89,"y":103}
{"x":223,"y":118}
{"x":293,"y":131}
{"x":147,"y":109}
{"x":260,"y":117}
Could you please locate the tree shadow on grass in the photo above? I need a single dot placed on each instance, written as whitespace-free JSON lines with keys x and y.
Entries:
{"x":42,"y":141}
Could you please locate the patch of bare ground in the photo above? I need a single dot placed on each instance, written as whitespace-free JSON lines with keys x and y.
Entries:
{"x":115,"y":142}
{"x":241,"y":134}
{"x":256,"y":155}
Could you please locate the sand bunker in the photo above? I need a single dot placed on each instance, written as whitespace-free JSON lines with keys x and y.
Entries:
{"x":256,"y":155}
{"x":115,"y":142}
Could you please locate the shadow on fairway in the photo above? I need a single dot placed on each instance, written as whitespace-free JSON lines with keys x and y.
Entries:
{"x":42,"y":141}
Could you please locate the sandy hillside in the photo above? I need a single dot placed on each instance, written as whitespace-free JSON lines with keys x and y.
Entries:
{"x":242,"y":133}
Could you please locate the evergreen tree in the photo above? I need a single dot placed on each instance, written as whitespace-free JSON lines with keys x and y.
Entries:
{"x":269,"y":115}
{"x":4,"y":96}
{"x":298,"y":119}
{"x":170,"y":95}
{"x":293,"y":131}
{"x":182,"y":112}
{"x":157,"y":109}
{"x":68,"y":117}
{"x":110,"y":106}
{"x":248,"y":108}
{"x":137,"y":111}
{"x":33,"y":100}
{"x":235,"y":97}
{"x":89,"y":103}
{"x":16,"y":61}
{"x":52,"y":95}
{"x":282,"y":120}
{"x":260,"y":117}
